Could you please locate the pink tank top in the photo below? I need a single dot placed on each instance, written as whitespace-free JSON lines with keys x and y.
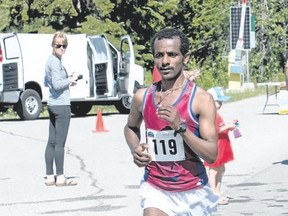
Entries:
{"x":179,"y":175}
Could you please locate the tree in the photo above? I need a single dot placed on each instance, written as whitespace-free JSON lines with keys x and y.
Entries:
{"x":4,"y":13}
{"x":202,"y":21}
{"x":268,"y":57}
{"x":205,"y":22}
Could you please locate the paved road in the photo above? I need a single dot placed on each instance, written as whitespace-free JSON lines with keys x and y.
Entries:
{"x":108,"y":180}
{"x":257,"y":179}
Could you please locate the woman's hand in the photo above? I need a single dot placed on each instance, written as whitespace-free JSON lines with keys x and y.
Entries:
{"x":73,"y":78}
{"x":192,"y":75}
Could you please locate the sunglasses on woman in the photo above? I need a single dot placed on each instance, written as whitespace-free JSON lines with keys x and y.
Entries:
{"x":60,"y":45}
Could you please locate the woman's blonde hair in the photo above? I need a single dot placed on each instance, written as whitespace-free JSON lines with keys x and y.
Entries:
{"x":61,"y":35}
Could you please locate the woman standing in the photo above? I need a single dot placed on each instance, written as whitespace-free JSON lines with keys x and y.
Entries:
{"x":58,"y":81}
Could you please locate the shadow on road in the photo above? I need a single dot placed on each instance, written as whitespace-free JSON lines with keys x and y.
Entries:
{"x":284,"y":162}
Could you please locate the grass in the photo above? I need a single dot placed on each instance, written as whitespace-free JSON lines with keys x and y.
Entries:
{"x":11,"y":114}
{"x":235,"y":96}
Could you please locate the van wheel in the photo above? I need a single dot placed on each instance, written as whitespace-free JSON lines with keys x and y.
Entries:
{"x":124,"y":105}
{"x":3,"y":109}
{"x":29,"y":105}
{"x":80,"y":109}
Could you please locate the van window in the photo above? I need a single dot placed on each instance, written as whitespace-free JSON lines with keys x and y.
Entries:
{"x":100,"y":47}
{"x":11,"y":48}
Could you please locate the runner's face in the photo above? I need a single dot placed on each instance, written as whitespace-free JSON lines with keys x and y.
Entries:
{"x":168,"y":58}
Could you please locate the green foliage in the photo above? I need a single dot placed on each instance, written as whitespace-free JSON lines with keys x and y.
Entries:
{"x":104,"y":7}
{"x":268,"y":57}
{"x":214,"y":74}
{"x":206,"y":23}
{"x":4,"y":14}
{"x":93,"y":26}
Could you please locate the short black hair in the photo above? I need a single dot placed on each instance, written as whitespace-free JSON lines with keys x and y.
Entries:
{"x":169,"y":33}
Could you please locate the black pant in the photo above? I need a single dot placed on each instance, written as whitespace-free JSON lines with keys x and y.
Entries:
{"x":58,"y":129}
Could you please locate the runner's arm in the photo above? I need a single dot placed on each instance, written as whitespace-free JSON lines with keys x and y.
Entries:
{"x":206,"y":145}
{"x":132,"y":131}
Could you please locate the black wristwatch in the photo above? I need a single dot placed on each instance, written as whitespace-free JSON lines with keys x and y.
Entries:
{"x":182,"y":129}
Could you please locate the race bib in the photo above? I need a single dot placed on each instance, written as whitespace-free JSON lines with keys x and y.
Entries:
{"x":163,"y":146}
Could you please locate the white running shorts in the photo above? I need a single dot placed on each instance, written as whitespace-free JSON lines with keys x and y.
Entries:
{"x":198,"y":202}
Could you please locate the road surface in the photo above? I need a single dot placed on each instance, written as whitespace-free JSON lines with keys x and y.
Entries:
{"x":108,"y":180}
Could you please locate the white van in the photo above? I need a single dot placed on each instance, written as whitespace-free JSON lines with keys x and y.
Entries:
{"x":108,"y":76}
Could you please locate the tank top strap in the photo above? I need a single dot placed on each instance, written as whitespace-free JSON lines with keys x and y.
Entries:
{"x":190,"y":91}
{"x":150,"y":91}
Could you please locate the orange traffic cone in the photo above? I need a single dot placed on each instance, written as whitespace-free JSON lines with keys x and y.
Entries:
{"x":99,"y":122}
